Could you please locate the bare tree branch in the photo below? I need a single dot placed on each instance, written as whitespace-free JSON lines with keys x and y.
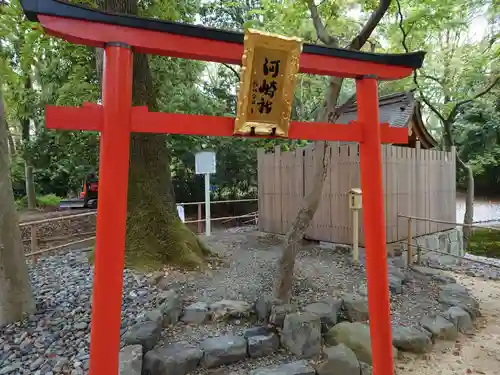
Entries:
{"x":321,"y":31}
{"x":233,"y":70}
{"x":435,"y":79}
{"x":487,"y":89}
{"x":358,"y":42}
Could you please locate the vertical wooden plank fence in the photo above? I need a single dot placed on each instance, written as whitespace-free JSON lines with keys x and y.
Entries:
{"x":417,"y":182}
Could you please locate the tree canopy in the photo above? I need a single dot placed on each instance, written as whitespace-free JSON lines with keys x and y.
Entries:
{"x":458,"y":85}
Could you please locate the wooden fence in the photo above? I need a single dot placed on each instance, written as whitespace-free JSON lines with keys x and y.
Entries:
{"x":416,"y":183}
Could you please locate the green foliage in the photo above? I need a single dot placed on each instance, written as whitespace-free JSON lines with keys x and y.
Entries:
{"x":456,"y":67}
{"x":43,"y":201}
{"x":485,"y":242}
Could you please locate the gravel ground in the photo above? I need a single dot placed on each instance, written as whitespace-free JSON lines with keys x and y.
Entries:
{"x":56,"y":338}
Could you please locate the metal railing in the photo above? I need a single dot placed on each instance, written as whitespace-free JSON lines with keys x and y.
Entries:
{"x":34,"y":225}
{"x":411,"y":242}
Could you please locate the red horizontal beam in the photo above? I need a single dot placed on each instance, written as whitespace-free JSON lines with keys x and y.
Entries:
{"x":90,"y":117}
{"x":159,"y":43}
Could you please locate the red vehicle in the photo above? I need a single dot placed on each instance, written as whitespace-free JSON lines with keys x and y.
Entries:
{"x":88,"y":197}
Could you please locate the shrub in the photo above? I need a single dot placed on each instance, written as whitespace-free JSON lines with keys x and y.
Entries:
{"x":485,"y":242}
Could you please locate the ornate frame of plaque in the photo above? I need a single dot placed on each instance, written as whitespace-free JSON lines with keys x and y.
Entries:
{"x":270,"y":64}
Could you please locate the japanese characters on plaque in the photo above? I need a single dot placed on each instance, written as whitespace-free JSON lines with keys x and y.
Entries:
{"x":265,"y":89}
{"x":270,"y":64}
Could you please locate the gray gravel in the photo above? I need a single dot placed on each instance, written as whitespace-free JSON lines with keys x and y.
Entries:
{"x":56,"y":338}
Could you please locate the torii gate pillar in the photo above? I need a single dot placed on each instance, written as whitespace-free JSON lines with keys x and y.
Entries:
{"x":116,"y":119}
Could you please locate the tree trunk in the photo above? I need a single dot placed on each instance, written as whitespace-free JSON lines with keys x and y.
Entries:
{"x":16,"y":298}
{"x":284,"y":283}
{"x":293,"y":238}
{"x":155,"y":234}
{"x":469,"y":202}
{"x":469,"y":196}
{"x":28,"y":169}
{"x":10,"y":140}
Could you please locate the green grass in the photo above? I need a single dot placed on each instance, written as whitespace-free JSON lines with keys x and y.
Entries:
{"x":485,"y":242}
{"x":49,"y":200}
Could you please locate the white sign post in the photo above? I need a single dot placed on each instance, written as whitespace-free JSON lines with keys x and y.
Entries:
{"x":205,"y":164}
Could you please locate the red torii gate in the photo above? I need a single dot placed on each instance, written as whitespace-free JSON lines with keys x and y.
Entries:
{"x":119,"y":35}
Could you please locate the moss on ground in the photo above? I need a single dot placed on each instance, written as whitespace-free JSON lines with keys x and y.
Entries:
{"x":485,"y":242}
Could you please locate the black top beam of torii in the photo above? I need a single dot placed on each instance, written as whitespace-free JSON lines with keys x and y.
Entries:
{"x":33,"y":8}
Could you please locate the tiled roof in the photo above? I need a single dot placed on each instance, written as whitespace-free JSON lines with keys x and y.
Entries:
{"x":395,"y":109}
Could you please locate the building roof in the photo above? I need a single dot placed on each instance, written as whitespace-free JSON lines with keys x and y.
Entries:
{"x":398,"y":110}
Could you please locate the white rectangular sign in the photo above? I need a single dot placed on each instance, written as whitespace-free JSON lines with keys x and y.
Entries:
{"x":205,"y":162}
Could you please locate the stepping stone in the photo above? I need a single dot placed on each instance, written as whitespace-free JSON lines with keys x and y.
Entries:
{"x":460,"y":318}
{"x":223,"y":350}
{"x":327,"y":313}
{"x":230,"y":309}
{"x":155,"y":316}
{"x":301,"y":334}
{"x":292,"y":368}
{"x":279,"y":312}
{"x":257,"y":331}
{"x":130,"y":360}
{"x":263,"y":306}
{"x":196,"y":313}
{"x":263,"y":345}
{"x":439,"y":327}
{"x":179,"y":358}
{"x":356,"y":308}
{"x":457,"y":295}
{"x":261,"y":341}
{"x":411,"y":339}
{"x":146,"y":334}
{"x":170,"y":307}
{"x":339,"y":360}
{"x":355,"y":336}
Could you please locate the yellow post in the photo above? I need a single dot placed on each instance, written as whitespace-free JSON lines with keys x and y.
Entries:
{"x":355,"y":205}
{"x":410,"y":250}
{"x":355,"y":234}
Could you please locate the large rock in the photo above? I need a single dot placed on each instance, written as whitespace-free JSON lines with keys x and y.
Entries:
{"x":327,"y":312}
{"x":230,"y":309}
{"x":457,"y":295}
{"x":439,"y":327}
{"x":170,"y":307}
{"x":396,"y":272}
{"x":261,"y":341}
{"x":301,"y":334}
{"x":339,"y":360}
{"x":279,"y":312}
{"x":434,"y":274}
{"x":411,"y":339}
{"x":180,"y":358}
{"x":146,"y":334}
{"x":223,"y":350}
{"x":263,"y":306}
{"x":292,"y":368}
{"x":155,"y":316}
{"x":395,"y":284}
{"x":130,"y":360}
{"x":355,"y":308}
{"x":355,"y":336}
{"x":460,"y":318}
{"x":260,"y":346}
{"x":366,"y":369}
{"x":196,"y":313}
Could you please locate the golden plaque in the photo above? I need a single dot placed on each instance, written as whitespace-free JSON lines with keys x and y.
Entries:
{"x":270,"y":64}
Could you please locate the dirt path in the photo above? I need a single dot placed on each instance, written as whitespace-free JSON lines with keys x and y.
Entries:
{"x":478,"y":353}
